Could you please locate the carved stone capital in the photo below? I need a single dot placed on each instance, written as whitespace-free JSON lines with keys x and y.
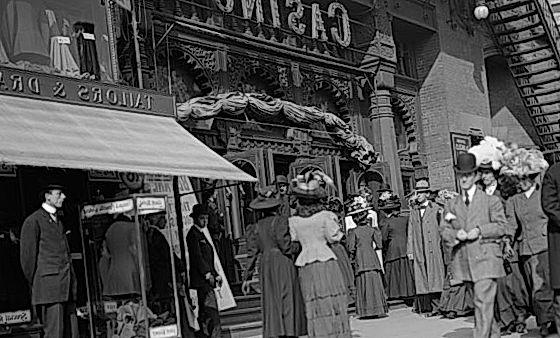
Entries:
{"x":380,"y":105}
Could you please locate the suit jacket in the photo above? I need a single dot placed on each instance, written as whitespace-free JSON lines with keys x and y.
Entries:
{"x":424,"y":243}
{"x":528,"y":215}
{"x":45,"y":259}
{"x":551,"y":206}
{"x":483,"y":257}
{"x":201,"y":259}
{"x":360,"y":248}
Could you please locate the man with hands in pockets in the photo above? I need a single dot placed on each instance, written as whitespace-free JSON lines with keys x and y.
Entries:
{"x":473,"y":226}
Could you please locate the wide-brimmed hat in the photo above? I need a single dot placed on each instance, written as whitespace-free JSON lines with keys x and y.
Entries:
{"x":389,"y":201}
{"x":49,"y":187}
{"x":281,"y":179}
{"x":199,"y":209}
{"x":266,"y":199}
{"x":466,"y":163}
{"x":422,"y":186}
{"x":312,"y":185}
{"x":357,"y":204}
{"x":384,"y":187}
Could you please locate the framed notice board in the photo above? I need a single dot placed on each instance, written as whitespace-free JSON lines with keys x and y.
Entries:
{"x":460,"y":143}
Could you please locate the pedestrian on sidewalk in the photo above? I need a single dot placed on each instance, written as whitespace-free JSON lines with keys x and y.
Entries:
{"x":398,"y":268}
{"x":322,"y":284}
{"x":527,"y":218}
{"x":425,"y":251}
{"x":282,"y":301}
{"x":339,"y":248}
{"x":363,"y":240}
{"x":551,"y":206}
{"x":473,"y":226}
{"x":512,"y":299}
{"x":456,"y":299}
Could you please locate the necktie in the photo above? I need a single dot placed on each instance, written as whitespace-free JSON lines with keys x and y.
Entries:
{"x":467,"y":200}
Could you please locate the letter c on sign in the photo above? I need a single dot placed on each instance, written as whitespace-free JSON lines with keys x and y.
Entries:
{"x":346,"y":37}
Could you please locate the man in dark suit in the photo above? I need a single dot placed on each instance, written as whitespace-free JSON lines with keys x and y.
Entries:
{"x":47,"y":266}
{"x":474,"y":224}
{"x":551,"y":206}
{"x":203,"y":274}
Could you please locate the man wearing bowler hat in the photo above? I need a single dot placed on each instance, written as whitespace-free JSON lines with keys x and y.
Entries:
{"x":47,"y":266}
{"x":474,"y":224}
{"x":203,"y":274}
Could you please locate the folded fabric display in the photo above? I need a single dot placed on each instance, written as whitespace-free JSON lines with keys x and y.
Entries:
{"x":520,"y":162}
{"x":489,"y":152}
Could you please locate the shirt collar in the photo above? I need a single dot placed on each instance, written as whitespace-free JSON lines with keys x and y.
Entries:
{"x":49,"y":208}
{"x":471,"y":192}
{"x":491,"y":189}
{"x":530,"y":192}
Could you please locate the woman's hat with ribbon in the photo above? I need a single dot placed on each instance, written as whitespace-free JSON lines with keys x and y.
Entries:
{"x":389,"y":201}
{"x":311,"y":185}
{"x":266,"y":198}
{"x":357,"y":204}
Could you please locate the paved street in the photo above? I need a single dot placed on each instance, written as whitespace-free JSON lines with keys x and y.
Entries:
{"x":403,"y":323}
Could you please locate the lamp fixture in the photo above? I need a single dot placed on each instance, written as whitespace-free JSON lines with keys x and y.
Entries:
{"x":481,"y":11}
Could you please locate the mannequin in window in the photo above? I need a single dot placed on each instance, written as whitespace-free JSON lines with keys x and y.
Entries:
{"x":87,"y":49}
{"x":123,"y":277}
{"x":24,"y":31}
{"x":62,"y":60}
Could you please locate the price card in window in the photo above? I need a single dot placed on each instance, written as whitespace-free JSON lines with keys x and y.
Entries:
{"x":62,"y":40}
{"x":16,"y":317}
{"x":167,"y":331}
{"x":88,"y":36}
{"x":110,"y":307}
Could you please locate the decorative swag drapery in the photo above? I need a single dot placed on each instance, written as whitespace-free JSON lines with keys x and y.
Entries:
{"x":265,"y":106}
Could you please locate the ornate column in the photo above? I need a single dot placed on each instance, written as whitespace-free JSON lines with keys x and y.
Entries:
{"x":381,"y":117}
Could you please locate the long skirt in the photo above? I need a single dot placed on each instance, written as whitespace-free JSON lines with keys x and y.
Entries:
{"x":512,"y":300}
{"x":456,"y":298}
{"x":370,"y":295}
{"x":282,"y":301}
{"x":399,"y":278}
{"x":326,"y":300}
{"x":346,"y":268}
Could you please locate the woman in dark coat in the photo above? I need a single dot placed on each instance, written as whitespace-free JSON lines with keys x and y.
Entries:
{"x":371,"y":300}
{"x":398,"y":270}
{"x":282,"y":301}
{"x":339,"y":249}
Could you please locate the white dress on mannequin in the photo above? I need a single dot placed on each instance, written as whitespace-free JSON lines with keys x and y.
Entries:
{"x":62,"y":60}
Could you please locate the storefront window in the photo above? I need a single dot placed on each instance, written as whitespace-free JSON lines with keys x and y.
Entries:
{"x":132,"y":271}
{"x":62,"y":37}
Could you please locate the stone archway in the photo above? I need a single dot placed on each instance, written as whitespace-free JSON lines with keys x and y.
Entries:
{"x":324,"y":93}
{"x":258,"y":79}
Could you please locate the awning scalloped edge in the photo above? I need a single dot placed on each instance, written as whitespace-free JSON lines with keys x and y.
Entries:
{"x":264,"y":106}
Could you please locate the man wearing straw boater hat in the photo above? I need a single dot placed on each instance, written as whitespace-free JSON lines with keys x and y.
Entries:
{"x":424,"y":250}
{"x":47,"y":266}
{"x":474,"y":224}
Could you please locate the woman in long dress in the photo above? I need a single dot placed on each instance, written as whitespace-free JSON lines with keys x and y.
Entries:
{"x":322,"y":283}
{"x":399,"y":275}
{"x":282,"y":301}
{"x":339,"y":248}
{"x":371,"y":300}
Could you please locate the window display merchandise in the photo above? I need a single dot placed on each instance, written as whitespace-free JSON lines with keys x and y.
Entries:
{"x":132,"y":274}
{"x":63,"y":37}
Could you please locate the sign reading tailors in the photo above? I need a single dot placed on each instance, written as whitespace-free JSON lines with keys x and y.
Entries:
{"x":84,"y":92}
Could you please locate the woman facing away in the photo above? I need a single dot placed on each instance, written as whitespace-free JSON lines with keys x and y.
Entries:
{"x":324,"y":291}
{"x":371,"y":300}
{"x":282,"y":302}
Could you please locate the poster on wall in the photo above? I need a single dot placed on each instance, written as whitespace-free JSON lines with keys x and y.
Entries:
{"x":460,"y":143}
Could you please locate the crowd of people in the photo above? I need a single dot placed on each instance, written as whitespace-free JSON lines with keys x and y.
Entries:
{"x":490,"y":249}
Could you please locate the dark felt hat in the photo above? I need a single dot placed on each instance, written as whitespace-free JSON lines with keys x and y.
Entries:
{"x":384,"y":187}
{"x":466,"y":163}
{"x":199,"y":209}
{"x":49,"y":187}
{"x":422,"y":186}
{"x":281,"y":179}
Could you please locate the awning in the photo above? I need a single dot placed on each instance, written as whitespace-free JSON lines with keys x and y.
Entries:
{"x":53,"y":134}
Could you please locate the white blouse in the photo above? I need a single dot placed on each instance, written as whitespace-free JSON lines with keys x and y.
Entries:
{"x":314,"y":233}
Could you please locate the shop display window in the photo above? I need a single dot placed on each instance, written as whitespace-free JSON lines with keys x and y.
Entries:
{"x":62,"y":37}
{"x":134,"y":279}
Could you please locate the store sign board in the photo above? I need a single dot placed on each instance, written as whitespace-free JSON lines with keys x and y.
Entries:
{"x":84,"y":92}
{"x":147,"y":205}
{"x":117,"y":207}
{"x":16,"y":317}
{"x":167,"y":331}
{"x":7,"y":170}
{"x":103,"y":176}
